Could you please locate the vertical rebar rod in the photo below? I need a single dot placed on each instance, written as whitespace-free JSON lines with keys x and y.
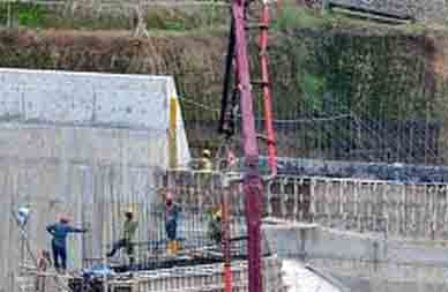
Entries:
{"x":228,"y":277}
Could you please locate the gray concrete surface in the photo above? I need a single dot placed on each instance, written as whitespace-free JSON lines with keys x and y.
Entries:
{"x":84,"y":144}
{"x":364,"y":262}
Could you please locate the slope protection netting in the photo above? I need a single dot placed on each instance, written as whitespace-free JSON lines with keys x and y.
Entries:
{"x":351,"y":92}
{"x":348,"y":95}
{"x":358,"y":97}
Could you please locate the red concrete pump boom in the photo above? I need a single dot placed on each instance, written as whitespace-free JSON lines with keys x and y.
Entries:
{"x":238,"y":62}
{"x":252,"y":184}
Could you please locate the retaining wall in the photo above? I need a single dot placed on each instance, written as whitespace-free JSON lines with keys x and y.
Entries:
{"x":87,"y":145}
{"x":363,"y":262}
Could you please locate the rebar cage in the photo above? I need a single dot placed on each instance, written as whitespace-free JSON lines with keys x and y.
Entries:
{"x":205,"y":245}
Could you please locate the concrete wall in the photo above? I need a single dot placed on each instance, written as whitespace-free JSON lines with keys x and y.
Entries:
{"x":88,"y":145}
{"x":363,"y":262}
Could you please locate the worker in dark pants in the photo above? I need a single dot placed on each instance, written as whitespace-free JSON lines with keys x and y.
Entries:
{"x":171,"y":218}
{"x":126,"y":240}
{"x":59,"y":231}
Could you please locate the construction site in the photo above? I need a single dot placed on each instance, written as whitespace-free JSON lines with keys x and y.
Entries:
{"x":295,"y":145}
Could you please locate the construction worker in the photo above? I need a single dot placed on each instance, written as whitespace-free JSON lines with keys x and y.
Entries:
{"x":171,"y":218}
{"x":214,"y":226}
{"x":126,"y":240}
{"x":59,"y":231}
{"x":205,"y":163}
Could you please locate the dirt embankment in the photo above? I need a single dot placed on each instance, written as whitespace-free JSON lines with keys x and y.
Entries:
{"x":112,"y":51}
{"x":381,"y":76}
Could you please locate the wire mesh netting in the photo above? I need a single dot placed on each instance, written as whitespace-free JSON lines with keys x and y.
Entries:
{"x":191,"y":252}
{"x":373,"y":94}
{"x":343,"y":95}
{"x":185,"y":245}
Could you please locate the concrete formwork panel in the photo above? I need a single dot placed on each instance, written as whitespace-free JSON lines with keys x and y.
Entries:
{"x":84,"y":144}
{"x":85,"y":98}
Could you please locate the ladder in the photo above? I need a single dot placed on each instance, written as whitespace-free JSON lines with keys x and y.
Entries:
{"x":266,"y":87}
{"x":227,"y":117}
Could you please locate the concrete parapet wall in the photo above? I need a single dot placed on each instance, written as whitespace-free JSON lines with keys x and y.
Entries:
{"x":394,"y":209}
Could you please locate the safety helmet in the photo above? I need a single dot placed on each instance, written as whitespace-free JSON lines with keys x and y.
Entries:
{"x":169,"y":198}
{"x":206,"y":153}
{"x":63,"y":218}
{"x":217,"y":212}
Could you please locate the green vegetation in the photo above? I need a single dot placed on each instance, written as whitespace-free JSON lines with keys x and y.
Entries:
{"x":323,"y":65}
{"x":330,"y":63}
{"x":377,"y":77}
{"x":24,"y":14}
{"x":207,"y":16}
{"x":293,"y":17}
{"x":32,"y":15}
{"x":175,"y":19}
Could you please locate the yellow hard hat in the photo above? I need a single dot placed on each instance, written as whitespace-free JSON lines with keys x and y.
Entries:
{"x":218,"y":212}
{"x":206,"y":152}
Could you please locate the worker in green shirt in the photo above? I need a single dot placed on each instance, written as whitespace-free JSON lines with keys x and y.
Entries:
{"x":205,"y":162}
{"x":126,"y":240}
